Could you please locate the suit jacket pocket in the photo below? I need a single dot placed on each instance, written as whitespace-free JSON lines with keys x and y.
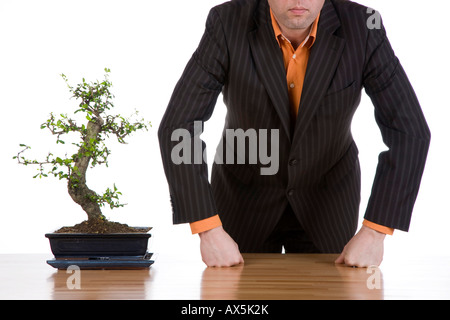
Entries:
{"x":338,"y":100}
{"x":241,"y":172}
{"x":340,"y":90}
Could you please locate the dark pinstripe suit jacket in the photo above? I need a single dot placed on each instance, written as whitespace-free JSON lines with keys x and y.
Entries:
{"x":319,"y":172}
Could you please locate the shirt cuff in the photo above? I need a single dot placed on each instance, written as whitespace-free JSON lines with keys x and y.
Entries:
{"x":205,"y":224}
{"x":377,"y":227}
{"x":214,"y":221}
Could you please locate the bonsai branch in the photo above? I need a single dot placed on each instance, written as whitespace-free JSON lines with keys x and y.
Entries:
{"x":96,"y":100}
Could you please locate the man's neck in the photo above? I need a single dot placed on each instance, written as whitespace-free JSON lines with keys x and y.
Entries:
{"x":295,"y":36}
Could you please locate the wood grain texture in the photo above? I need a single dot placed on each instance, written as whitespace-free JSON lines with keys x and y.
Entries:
{"x":262,"y":277}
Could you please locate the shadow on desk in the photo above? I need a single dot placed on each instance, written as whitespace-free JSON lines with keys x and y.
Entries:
{"x":291,"y":277}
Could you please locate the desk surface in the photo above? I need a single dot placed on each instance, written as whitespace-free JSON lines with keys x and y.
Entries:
{"x":263,"y":276}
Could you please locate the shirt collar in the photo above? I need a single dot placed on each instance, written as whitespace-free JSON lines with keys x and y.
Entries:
{"x":309,"y":40}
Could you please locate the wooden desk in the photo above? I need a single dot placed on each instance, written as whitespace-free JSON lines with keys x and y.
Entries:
{"x":263,"y":276}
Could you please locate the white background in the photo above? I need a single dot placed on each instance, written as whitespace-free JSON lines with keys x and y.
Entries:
{"x":146,"y":44}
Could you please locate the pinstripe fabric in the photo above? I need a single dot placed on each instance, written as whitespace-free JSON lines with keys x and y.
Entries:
{"x":319,"y":172}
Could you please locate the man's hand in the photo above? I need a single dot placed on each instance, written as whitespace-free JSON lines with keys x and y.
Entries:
{"x":218,"y":249}
{"x":365,"y":249}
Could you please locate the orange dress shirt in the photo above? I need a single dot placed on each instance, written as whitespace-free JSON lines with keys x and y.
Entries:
{"x":295,"y":63}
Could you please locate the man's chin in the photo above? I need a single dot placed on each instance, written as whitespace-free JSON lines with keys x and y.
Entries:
{"x":299,"y":25}
{"x":299,"y":22}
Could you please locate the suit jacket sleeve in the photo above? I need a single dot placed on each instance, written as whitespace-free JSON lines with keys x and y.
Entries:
{"x":404,"y":131}
{"x":192,"y":102}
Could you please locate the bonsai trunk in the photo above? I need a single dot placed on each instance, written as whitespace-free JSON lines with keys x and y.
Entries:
{"x":77,"y":187}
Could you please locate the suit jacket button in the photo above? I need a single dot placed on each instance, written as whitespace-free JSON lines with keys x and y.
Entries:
{"x":293,"y":162}
{"x":290,"y":193}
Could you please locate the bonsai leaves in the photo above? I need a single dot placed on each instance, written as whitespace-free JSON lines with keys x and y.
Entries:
{"x":95,"y":103}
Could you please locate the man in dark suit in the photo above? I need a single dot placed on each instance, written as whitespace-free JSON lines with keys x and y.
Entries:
{"x":293,"y":69}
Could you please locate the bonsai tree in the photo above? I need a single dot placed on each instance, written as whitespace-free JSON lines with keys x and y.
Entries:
{"x":95,"y":103}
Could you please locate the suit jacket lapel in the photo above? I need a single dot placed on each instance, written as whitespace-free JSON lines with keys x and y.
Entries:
{"x":269,"y":64}
{"x":324,"y":57}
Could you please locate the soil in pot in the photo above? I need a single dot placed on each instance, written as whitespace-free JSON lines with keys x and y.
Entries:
{"x":100,"y":227}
